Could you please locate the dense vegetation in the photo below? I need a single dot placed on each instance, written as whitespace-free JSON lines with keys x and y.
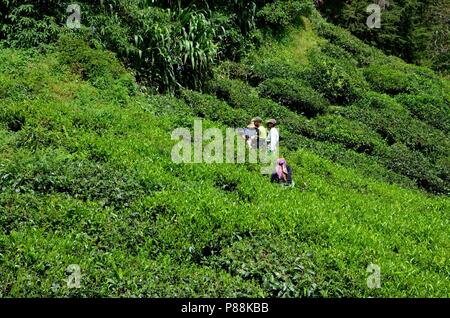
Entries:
{"x":418,"y":31}
{"x":86,"y":176}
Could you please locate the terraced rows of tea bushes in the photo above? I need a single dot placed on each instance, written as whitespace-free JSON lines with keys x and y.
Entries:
{"x":86,"y":175}
{"x":416,"y":31}
{"x":86,"y":178}
{"x":348,"y":96}
{"x":320,"y":74}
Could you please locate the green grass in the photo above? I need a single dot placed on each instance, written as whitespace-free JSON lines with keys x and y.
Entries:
{"x":86,"y":178}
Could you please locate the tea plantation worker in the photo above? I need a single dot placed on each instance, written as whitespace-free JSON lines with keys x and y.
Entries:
{"x":273,"y":137}
{"x":261,"y":133}
{"x":283,"y":172}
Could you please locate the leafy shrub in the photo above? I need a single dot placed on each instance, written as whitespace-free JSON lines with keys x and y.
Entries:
{"x":415,"y":166}
{"x":279,"y":269}
{"x":295,"y":94}
{"x":83,"y":180}
{"x":351,"y":134}
{"x":21,"y":27}
{"x":233,"y":43}
{"x":430,"y":108}
{"x":339,"y":80}
{"x":101,"y":68}
{"x":13,"y":119}
{"x":240,"y":95}
{"x":238,"y":71}
{"x":18,"y":81}
{"x":394,"y":123}
{"x":361,"y":52}
{"x":338,"y":53}
{"x":274,"y":67}
{"x":280,"y":14}
{"x":207,"y":106}
{"x":394,"y":77}
{"x":370,"y":166}
{"x":385,"y":79}
{"x":384,"y":115}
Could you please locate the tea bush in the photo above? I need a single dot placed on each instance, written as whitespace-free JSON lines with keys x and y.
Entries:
{"x":429,"y":108}
{"x":364,"y":54}
{"x":210,"y":107}
{"x":281,"y":14}
{"x":296,"y":95}
{"x":82,"y":180}
{"x":386,"y":79}
{"x":87,"y":178}
{"x":94,"y":65}
{"x":257,"y":258}
{"x":351,"y":134}
{"x":340,"y":81}
{"x":415,"y":166}
{"x":392,"y":121}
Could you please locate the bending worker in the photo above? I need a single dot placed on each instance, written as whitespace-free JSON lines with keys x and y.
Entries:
{"x":283,"y":172}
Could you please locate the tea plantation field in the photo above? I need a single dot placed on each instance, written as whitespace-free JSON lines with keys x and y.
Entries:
{"x":86,"y":175}
{"x":86,"y":179}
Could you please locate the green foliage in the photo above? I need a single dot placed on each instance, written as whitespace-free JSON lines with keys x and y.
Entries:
{"x":417,"y":167}
{"x":80,"y":179}
{"x":243,"y":97}
{"x":351,"y":134}
{"x":13,"y":120}
{"x":278,"y":268}
{"x":238,"y":71}
{"x":281,"y":14}
{"x":100,"y":68}
{"x":168,"y":49}
{"x":233,"y":43}
{"x":430,"y":108}
{"x":395,"y":124}
{"x":339,"y":80}
{"x":170,"y":45}
{"x":20,"y":28}
{"x":209,"y":107}
{"x":389,"y":80}
{"x":369,"y":126}
{"x":86,"y":175}
{"x":369,"y":166}
{"x":103,"y":194}
{"x":417,"y":31}
{"x":296,"y":95}
{"x":363,"y":53}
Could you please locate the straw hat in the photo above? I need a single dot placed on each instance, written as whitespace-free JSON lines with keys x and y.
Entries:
{"x":271,"y":121}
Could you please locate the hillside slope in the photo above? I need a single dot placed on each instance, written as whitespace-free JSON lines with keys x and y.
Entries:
{"x":86,"y":175}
